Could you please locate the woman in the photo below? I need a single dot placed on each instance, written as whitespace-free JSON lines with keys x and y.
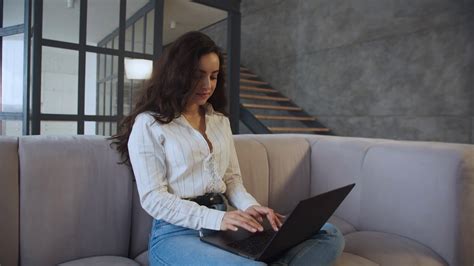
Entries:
{"x":180,"y":147}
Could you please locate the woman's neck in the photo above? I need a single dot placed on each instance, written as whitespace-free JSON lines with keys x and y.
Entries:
{"x":195,"y":117}
{"x":193,"y":111}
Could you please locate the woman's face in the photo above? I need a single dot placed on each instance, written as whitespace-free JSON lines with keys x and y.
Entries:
{"x":206,"y":79}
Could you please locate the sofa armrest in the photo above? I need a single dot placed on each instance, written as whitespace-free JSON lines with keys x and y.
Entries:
{"x":9,"y":202}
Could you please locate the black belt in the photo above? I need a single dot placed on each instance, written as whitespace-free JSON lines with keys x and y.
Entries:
{"x":210,"y":200}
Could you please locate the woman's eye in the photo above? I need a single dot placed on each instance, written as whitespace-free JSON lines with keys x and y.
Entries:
{"x":201,"y":77}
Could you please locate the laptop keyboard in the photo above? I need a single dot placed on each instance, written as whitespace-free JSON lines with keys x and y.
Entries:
{"x":254,"y":244}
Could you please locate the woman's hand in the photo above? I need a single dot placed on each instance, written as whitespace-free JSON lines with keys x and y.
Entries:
{"x":234,"y":219}
{"x":258,"y":212}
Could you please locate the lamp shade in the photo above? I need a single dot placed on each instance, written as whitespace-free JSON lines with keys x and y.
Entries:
{"x":138,"y":68}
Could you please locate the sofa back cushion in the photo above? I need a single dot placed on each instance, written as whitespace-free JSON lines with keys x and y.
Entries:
{"x":9,"y":209}
{"x":254,"y":166}
{"x":289,"y":170}
{"x":75,"y":199}
{"x":336,"y":162}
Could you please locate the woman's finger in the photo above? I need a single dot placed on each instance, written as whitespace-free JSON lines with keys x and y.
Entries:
{"x":254,"y":213}
{"x":278,"y":221}
{"x":274,"y":218}
{"x":244,"y":218}
{"x":261,"y":210}
{"x":233,"y":227}
{"x":241,"y":222}
{"x":227,"y":224}
{"x":248,"y":218}
{"x":271,"y":218}
{"x":281,"y":216}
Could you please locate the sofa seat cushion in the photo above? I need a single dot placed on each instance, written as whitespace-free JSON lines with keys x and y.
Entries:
{"x":349,"y":259}
{"x":366,"y":248}
{"x":389,"y":249}
{"x":142,"y":258}
{"x":344,"y":226}
{"x":101,"y":261}
{"x":346,"y":259}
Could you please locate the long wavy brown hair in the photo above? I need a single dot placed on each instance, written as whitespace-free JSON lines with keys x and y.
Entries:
{"x":171,"y":85}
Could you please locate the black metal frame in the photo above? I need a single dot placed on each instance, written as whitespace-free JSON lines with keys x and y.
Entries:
{"x":255,"y":125}
{"x":109,"y":40}
{"x":34,"y":42}
{"x":93,"y":49}
{"x":81,"y":86}
{"x":121,"y":61}
{"x":158,"y":38}
{"x":233,"y":66}
{"x":11,"y":30}
{"x":129,"y":22}
{"x":38,"y":42}
{"x":26,"y":66}
{"x":35,"y":116}
{"x":11,"y":116}
{"x":229,"y":5}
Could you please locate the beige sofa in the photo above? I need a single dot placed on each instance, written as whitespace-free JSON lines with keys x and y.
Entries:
{"x":65,"y":199}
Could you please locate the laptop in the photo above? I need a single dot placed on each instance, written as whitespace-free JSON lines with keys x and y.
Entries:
{"x":303,"y":222}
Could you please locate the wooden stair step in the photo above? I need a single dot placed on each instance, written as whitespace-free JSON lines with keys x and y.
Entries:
{"x":241,"y":68}
{"x":254,"y":81}
{"x":252,"y":88}
{"x":261,"y":97}
{"x":298,"y":129}
{"x":250,"y":75}
{"x":271,"y":107}
{"x":285,"y":117}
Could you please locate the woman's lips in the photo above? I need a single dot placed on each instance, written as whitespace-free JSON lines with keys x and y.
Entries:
{"x":203,"y":94}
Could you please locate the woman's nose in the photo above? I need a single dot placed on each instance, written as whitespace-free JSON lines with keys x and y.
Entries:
{"x":206,"y":82}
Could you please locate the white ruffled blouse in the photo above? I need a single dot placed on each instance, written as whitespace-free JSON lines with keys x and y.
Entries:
{"x":173,"y":161}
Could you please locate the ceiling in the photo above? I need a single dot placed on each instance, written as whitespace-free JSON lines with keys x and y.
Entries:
{"x":188,"y":16}
{"x":62,"y":23}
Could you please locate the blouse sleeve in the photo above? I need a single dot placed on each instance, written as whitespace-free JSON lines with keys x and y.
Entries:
{"x":236,"y":192}
{"x":147,"y":156}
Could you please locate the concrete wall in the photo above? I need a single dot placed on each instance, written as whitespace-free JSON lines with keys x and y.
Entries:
{"x":368,"y":68}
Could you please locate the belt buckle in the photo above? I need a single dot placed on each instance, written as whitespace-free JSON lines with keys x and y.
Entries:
{"x":215,"y":198}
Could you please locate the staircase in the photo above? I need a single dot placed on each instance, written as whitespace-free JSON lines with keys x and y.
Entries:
{"x":264,"y":110}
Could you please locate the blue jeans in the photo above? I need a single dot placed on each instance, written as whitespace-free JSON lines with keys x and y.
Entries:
{"x":175,"y":245}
